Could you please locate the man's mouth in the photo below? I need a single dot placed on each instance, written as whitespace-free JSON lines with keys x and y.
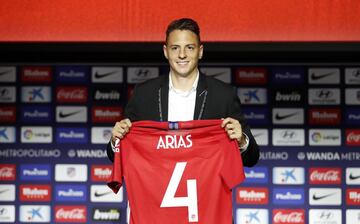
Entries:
{"x":182,"y":63}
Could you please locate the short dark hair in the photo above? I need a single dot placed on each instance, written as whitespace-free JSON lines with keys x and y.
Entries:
{"x":183,"y":24}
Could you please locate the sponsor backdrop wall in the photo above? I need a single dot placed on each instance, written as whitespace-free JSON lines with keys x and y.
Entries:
{"x":56,"y":120}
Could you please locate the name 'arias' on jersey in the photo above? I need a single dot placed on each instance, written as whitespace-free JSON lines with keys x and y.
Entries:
{"x":179,"y":172}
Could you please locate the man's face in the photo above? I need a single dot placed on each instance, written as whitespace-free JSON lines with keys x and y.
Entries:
{"x":183,"y":52}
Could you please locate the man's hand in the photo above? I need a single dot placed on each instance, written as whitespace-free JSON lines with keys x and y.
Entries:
{"x":120,"y":129}
{"x":234,"y":130}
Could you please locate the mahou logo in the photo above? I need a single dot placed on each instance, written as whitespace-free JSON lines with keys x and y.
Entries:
{"x":252,"y":195}
{"x":287,"y":216}
{"x":36,"y":74}
{"x":70,"y":214}
{"x":325,"y":175}
{"x":353,"y":196}
{"x":324,"y":116}
{"x":74,"y":94}
{"x":35,"y":192}
{"x":8,"y":114}
{"x":353,"y":137}
{"x":7,"y":172}
{"x":100,"y":173}
{"x":248,"y":75}
{"x":106,"y":114}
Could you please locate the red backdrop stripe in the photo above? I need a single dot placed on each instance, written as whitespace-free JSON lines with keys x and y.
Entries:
{"x":136,"y":20}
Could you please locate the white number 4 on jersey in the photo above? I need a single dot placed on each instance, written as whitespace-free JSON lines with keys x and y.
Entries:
{"x":169,"y":199}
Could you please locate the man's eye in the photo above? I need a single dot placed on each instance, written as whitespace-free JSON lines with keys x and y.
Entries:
{"x":174,"y":48}
{"x":190,"y":47}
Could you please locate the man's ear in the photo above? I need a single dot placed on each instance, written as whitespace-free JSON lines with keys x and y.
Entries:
{"x":165,"y":51}
{"x":201,"y":48}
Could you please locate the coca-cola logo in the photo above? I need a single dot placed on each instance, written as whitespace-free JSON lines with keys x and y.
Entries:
{"x":70,"y":214}
{"x":289,"y":217}
{"x":330,"y":175}
{"x":71,"y":94}
{"x":352,"y":137}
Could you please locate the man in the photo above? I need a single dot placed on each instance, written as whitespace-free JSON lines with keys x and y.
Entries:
{"x":186,"y":94}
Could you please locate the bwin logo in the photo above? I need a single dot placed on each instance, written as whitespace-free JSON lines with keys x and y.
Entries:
{"x":251,"y":95}
{"x":324,"y":94}
{"x":288,"y":134}
{"x":142,"y":73}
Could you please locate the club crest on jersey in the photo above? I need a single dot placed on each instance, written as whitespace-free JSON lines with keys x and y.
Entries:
{"x":174,"y":142}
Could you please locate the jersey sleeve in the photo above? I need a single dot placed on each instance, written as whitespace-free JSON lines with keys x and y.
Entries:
{"x":115,"y":181}
{"x":232,"y":171}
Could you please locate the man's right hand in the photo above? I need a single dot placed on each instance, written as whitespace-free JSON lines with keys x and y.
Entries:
{"x":120,"y":129}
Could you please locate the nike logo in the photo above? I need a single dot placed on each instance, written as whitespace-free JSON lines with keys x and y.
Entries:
{"x":214,"y":74}
{"x":322,"y":197}
{"x":65,"y":115}
{"x":3,"y":191}
{"x":4,"y":72}
{"x":282,"y":117}
{"x":97,"y":194}
{"x":316,"y":77}
{"x":257,"y":135}
{"x":353,"y":177}
{"x":103,"y":75}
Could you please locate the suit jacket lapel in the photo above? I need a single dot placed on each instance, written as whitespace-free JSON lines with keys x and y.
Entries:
{"x":164,"y":97}
{"x":201,"y":92}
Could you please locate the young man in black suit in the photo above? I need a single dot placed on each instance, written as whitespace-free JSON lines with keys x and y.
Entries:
{"x":186,"y":94}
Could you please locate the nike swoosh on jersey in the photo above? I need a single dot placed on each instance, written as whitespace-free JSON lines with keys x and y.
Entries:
{"x":321,"y":197}
{"x":65,"y":115}
{"x":316,"y":77}
{"x":351,"y":177}
{"x":279,"y":117}
{"x":103,"y":75}
{"x":97,"y":194}
{"x":4,"y":73}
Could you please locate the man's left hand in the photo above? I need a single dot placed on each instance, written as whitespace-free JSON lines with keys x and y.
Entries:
{"x":233,"y":129}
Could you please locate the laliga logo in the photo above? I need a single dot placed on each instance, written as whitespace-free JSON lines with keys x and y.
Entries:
{"x":28,"y":134}
{"x":316,"y":137}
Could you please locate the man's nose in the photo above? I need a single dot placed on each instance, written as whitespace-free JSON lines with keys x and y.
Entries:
{"x":182,"y":53}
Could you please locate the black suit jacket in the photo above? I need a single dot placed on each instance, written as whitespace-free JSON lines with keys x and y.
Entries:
{"x":214,"y":100}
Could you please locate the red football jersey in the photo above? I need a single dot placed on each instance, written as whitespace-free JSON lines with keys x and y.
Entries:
{"x":178,"y":172}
